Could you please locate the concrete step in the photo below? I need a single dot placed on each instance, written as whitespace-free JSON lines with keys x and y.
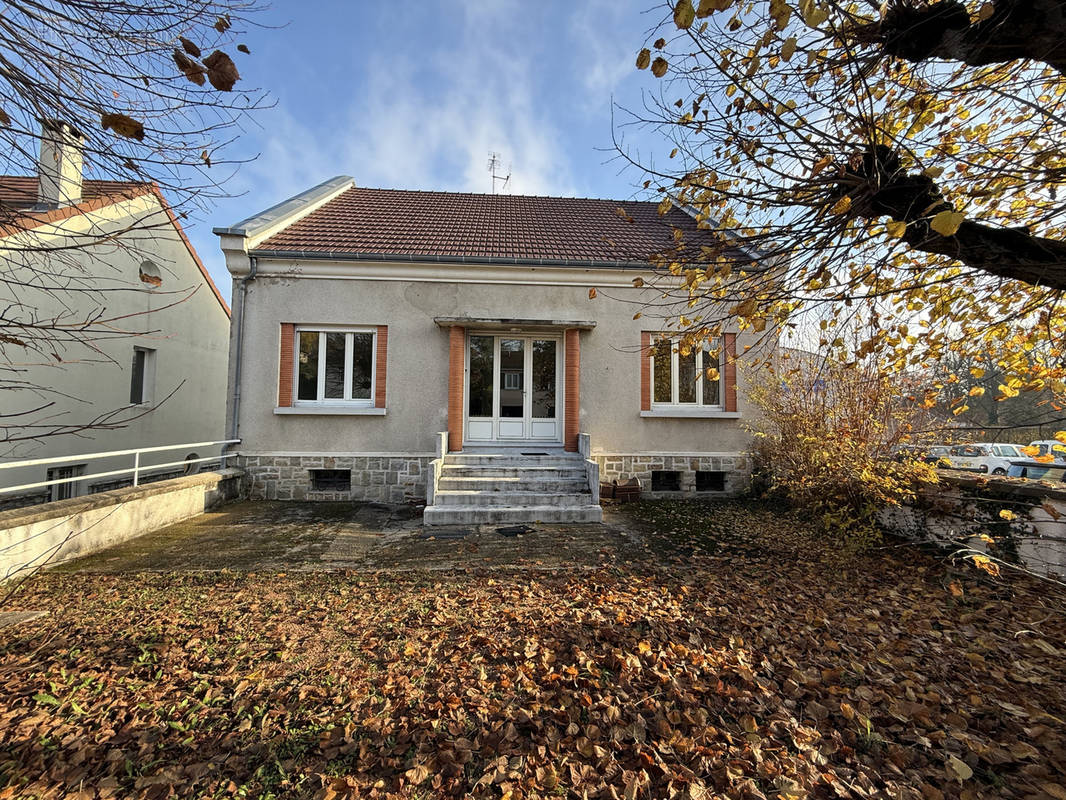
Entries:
{"x":509,"y":498}
{"x":475,"y":515}
{"x":511,"y":460}
{"x":514,"y":483}
{"x":493,"y":471}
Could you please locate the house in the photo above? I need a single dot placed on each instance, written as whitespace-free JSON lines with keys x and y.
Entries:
{"x":114,"y":336}
{"x":398,"y":345}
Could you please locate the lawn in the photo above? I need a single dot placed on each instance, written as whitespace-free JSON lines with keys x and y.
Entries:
{"x":740,"y":658}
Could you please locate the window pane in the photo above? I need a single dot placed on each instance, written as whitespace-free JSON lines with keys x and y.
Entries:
{"x":362,"y":365}
{"x":307,"y":385}
{"x":512,"y":366}
{"x":543,"y":379}
{"x":661,"y":370}
{"x":335,"y":366}
{"x":137,"y":381}
{"x":686,"y":377}
{"x":480,"y":404}
{"x":711,"y":394}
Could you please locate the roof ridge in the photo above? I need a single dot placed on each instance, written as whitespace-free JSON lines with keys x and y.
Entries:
{"x":452,"y":193}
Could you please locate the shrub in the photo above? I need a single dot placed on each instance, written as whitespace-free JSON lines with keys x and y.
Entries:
{"x":833,"y":441}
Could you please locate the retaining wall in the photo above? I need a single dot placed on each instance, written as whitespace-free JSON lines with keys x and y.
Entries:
{"x":56,"y":532}
{"x":966,"y":506}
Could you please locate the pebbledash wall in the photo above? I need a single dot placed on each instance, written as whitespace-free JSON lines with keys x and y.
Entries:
{"x":388,"y":453}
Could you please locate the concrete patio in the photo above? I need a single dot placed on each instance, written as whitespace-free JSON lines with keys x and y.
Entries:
{"x":262,"y":535}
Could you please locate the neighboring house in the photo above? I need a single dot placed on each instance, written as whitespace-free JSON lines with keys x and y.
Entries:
{"x":137,"y":334}
{"x":368,"y":320}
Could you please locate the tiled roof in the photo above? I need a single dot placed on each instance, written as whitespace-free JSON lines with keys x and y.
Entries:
{"x":20,"y":191}
{"x":416,"y":224}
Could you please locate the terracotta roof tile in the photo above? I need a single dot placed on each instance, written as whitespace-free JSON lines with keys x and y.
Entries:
{"x":424,"y":224}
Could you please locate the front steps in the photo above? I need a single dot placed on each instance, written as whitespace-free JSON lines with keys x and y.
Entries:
{"x":480,"y":488}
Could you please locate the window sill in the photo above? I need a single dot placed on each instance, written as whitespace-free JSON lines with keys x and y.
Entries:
{"x":691,"y":413}
{"x":365,"y":411}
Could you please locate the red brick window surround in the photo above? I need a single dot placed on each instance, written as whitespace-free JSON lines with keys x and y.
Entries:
{"x":332,"y":365}
{"x":670,"y":379}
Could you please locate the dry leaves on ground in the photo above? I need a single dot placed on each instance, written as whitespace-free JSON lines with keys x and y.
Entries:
{"x":750,"y":674}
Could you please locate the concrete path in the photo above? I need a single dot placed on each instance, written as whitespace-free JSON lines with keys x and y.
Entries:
{"x":258,"y":535}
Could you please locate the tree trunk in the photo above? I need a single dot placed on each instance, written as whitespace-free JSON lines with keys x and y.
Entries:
{"x":1016,"y":30}
{"x":1012,"y":253}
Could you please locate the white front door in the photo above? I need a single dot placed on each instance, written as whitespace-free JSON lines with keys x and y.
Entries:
{"x":512,"y":388}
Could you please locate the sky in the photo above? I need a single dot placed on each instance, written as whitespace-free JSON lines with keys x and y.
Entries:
{"x":415,"y":95}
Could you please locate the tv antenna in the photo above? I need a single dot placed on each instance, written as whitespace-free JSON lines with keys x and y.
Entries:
{"x":495,"y":164}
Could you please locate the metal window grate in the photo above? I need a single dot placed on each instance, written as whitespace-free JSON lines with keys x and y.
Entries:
{"x":665,"y":480}
{"x":331,"y":480}
{"x":710,"y":481}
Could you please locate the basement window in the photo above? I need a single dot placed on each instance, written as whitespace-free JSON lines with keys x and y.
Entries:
{"x":665,"y":480}
{"x":710,"y":481}
{"x":331,"y":480}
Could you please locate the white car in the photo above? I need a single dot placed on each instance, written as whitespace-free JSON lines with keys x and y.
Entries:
{"x":989,"y":457}
{"x":1053,"y":446}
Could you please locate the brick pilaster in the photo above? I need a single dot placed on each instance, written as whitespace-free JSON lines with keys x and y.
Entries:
{"x":645,"y":370}
{"x":381,"y":366}
{"x":456,"y":369}
{"x":729,"y":348}
{"x":285,"y":364}
{"x":572,"y":406}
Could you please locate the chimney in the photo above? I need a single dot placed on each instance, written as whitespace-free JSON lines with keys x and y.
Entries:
{"x":59,"y":168}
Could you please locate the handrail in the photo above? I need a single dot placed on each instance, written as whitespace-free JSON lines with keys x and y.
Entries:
{"x":136,"y":469}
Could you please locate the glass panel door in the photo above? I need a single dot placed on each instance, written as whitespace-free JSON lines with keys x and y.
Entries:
{"x":512,"y":381}
{"x":480,"y":388}
{"x":544,"y":384}
{"x":512,"y":390}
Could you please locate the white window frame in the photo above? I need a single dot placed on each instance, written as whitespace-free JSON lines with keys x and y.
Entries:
{"x":349,"y":355}
{"x":699,"y":405}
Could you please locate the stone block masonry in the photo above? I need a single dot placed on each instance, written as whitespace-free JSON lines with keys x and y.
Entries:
{"x":624,"y":466}
{"x":381,"y":478}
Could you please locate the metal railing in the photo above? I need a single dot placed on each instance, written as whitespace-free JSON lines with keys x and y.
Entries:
{"x":136,"y":469}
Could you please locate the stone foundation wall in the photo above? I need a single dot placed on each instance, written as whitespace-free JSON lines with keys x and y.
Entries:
{"x":380,"y":478}
{"x":621,"y":467}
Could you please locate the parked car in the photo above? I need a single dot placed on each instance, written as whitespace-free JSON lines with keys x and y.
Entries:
{"x":937,"y":454}
{"x":1000,"y":456}
{"x":1053,"y":446}
{"x":970,"y":457}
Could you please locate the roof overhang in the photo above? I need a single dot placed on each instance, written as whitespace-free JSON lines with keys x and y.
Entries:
{"x":427,"y":258}
{"x":514,"y":324}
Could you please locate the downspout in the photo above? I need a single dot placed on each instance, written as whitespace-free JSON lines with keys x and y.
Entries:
{"x":235,"y":423}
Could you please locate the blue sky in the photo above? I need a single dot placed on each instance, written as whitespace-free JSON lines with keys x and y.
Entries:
{"x":415,"y":95}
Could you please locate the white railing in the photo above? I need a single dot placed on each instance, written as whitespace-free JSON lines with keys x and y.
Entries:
{"x":136,"y":469}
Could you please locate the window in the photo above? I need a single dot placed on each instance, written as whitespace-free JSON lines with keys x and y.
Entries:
{"x":335,"y":366}
{"x":686,"y":378}
{"x":665,"y":480}
{"x":142,"y":379}
{"x":512,"y":379}
{"x":64,"y":491}
{"x":710,"y":481}
{"x":331,"y":480}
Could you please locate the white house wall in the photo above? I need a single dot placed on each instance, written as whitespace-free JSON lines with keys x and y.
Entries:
{"x":190,"y":338}
{"x":417,"y":384}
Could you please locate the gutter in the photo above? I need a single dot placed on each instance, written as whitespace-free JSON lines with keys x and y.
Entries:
{"x":315,"y":255}
{"x":235,"y":423}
